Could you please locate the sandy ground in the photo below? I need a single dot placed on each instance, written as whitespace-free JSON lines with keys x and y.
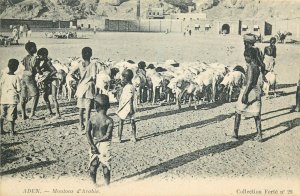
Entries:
{"x":173,"y":144}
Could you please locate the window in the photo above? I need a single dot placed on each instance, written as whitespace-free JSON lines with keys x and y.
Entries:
{"x":244,"y":27}
{"x":149,"y":13}
{"x":157,"y":13}
{"x":81,"y":25}
{"x":153,"y":13}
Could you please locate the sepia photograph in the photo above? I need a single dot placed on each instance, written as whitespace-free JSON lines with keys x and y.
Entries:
{"x":149,"y":97}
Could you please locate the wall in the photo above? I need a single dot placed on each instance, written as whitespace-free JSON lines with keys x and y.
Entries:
{"x":292,"y":26}
{"x":5,"y":23}
{"x":91,"y":23}
{"x":157,"y":25}
{"x":233,"y":24}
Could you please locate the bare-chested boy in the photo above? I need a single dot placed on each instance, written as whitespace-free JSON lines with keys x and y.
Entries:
{"x":49,"y":80}
{"x":249,"y":101}
{"x":99,"y":135}
{"x":270,"y":55}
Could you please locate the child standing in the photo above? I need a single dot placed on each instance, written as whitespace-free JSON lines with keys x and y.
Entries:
{"x":86,"y":87}
{"x":29,"y":86}
{"x":99,"y":135}
{"x":49,"y":80}
{"x":10,"y":87}
{"x":270,"y":55}
{"x":126,"y":104}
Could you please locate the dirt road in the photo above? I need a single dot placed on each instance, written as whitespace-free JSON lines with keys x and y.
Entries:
{"x":173,"y":144}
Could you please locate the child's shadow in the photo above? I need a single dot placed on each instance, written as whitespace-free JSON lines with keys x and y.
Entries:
{"x":288,"y":124}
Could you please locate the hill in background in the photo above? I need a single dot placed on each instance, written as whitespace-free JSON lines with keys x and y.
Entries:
{"x":126,"y":9}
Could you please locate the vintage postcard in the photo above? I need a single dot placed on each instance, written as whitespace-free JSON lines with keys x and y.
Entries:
{"x":150,"y":97}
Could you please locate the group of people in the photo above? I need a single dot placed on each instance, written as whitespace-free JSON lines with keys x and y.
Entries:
{"x":15,"y":90}
{"x":17,"y":33}
{"x":258,"y":65}
{"x":40,"y":76}
{"x":187,"y":30}
{"x":98,"y":128}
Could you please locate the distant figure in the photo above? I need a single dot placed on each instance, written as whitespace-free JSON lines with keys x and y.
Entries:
{"x":99,"y":134}
{"x":21,"y":30}
{"x":270,"y":55}
{"x":126,"y":104}
{"x":10,"y":88}
{"x":25,"y":30}
{"x":15,"y":35}
{"x":95,"y":29}
{"x":29,"y":31}
{"x":249,"y":101}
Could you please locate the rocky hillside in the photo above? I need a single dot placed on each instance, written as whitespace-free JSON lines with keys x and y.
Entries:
{"x":71,"y":9}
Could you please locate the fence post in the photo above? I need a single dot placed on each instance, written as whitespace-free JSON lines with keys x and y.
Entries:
{"x":149,"y":25}
{"x":170,"y":25}
{"x":118,"y":25}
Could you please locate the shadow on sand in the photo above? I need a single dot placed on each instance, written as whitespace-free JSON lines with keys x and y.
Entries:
{"x":27,"y":167}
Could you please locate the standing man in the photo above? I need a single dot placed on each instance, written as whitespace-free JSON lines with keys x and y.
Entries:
{"x":249,"y":41}
{"x":249,"y":101}
{"x":297,"y":107}
{"x":95,"y":30}
{"x":21,"y":30}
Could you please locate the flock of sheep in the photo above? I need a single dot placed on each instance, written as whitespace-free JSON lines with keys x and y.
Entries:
{"x":166,"y":82}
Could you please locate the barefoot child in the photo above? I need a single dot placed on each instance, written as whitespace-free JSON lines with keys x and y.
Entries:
{"x":49,"y":80}
{"x":99,"y":135}
{"x":126,"y":104}
{"x":249,"y":101}
{"x":86,"y":87}
{"x":270,"y":55}
{"x":29,"y":87}
{"x":10,"y":88}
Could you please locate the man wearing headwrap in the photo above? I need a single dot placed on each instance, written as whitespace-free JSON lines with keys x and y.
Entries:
{"x":249,"y":41}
